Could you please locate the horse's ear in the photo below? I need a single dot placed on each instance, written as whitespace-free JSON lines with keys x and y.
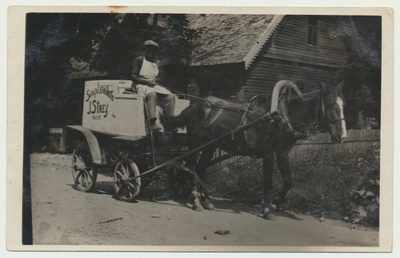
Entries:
{"x":323,"y":87}
{"x":339,"y":87}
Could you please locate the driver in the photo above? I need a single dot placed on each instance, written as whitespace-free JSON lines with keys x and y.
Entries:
{"x":145,"y":75}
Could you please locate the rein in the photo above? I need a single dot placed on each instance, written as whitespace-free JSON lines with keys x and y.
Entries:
{"x":322,"y":100}
{"x":264,"y":117}
{"x":246,"y":110}
{"x":335,"y":120}
{"x":321,"y":106}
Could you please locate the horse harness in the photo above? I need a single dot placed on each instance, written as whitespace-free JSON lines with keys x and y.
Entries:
{"x":246,"y":109}
{"x":318,"y":118}
{"x":283,"y":108}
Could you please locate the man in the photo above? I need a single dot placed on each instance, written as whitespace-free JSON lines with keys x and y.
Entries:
{"x":145,"y":75}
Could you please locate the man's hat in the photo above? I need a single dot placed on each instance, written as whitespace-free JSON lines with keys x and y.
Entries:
{"x":151,"y":43}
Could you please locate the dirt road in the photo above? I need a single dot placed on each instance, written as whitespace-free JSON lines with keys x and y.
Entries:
{"x":64,"y":216}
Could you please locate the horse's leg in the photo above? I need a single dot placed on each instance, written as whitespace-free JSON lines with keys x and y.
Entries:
{"x":201,"y":168}
{"x":268,"y":173}
{"x":191,"y":162}
{"x":282,"y":160}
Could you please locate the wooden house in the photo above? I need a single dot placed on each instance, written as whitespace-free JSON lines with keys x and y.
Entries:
{"x":239,"y":56}
{"x":234,"y":56}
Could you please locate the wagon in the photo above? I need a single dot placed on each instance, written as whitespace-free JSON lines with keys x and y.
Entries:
{"x":115,"y":138}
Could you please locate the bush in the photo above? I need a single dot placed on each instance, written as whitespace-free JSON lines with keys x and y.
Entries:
{"x":342,"y":187}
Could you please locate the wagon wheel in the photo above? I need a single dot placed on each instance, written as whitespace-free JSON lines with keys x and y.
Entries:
{"x":84,"y":173}
{"x":180,"y":181}
{"x":126,"y":190}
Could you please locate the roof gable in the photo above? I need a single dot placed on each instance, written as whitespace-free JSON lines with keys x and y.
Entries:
{"x":230,"y":38}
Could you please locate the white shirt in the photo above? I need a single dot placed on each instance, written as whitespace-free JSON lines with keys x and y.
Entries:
{"x":150,"y":71}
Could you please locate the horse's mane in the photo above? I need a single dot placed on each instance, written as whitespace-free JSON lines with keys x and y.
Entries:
{"x":189,"y":113}
{"x":329,"y":95}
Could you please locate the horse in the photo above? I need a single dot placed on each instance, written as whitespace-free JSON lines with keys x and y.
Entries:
{"x":270,"y":139}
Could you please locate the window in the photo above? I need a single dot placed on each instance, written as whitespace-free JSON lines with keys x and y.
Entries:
{"x":312,"y":30}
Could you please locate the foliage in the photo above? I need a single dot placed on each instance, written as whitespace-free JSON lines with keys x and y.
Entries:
{"x":51,"y":41}
{"x":177,"y":38}
{"x":362,"y":72}
{"x":345,"y":187}
{"x":59,"y":45}
{"x":362,"y":90}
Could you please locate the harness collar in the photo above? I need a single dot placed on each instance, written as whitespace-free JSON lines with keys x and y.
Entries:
{"x":319,"y":111}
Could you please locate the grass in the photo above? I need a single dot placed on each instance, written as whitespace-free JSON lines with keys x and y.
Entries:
{"x":344,"y":187}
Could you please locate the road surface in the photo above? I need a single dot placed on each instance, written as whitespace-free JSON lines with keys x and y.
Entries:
{"x":62,"y":215}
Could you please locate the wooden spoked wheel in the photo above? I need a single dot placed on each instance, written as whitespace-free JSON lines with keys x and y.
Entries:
{"x":180,"y":181}
{"x":126,"y":188}
{"x":84,"y":173}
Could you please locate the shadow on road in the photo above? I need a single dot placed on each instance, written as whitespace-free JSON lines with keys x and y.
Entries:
{"x":163,"y":196}
{"x":288,"y":215}
{"x":100,"y":188}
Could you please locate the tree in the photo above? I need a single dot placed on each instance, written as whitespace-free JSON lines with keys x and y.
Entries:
{"x":125,"y":39}
{"x":59,"y":45}
{"x":52,"y":39}
{"x":362,"y":73}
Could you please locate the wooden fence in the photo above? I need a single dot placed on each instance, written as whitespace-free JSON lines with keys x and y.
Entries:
{"x":358,"y":141}
{"x":320,"y":145}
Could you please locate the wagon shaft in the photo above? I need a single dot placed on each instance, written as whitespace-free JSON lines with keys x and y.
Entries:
{"x":201,"y":147}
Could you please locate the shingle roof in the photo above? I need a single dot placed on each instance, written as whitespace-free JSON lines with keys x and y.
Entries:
{"x":230,"y":38}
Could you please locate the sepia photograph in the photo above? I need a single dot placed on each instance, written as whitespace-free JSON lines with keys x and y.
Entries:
{"x":162,"y":129}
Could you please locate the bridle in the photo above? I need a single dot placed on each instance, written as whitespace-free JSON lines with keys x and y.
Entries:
{"x":320,"y":119}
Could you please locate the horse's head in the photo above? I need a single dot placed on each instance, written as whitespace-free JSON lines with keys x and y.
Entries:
{"x":332,"y":105}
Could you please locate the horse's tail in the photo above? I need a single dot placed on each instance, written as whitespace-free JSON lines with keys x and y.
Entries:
{"x":188,"y":114}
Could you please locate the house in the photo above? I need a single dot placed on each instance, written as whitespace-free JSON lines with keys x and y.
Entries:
{"x":239,"y":56}
{"x":235,"y":55}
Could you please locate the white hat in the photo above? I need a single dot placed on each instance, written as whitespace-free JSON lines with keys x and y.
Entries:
{"x":151,"y":43}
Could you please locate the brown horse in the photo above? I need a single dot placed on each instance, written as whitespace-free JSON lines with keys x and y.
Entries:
{"x":269,"y":139}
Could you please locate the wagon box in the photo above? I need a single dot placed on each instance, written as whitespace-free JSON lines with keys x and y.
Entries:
{"x":108,"y":109}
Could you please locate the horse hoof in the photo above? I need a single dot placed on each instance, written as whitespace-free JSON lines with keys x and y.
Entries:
{"x":269,"y":213}
{"x":197,"y":207}
{"x":207,"y":205}
{"x":269,"y":216}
